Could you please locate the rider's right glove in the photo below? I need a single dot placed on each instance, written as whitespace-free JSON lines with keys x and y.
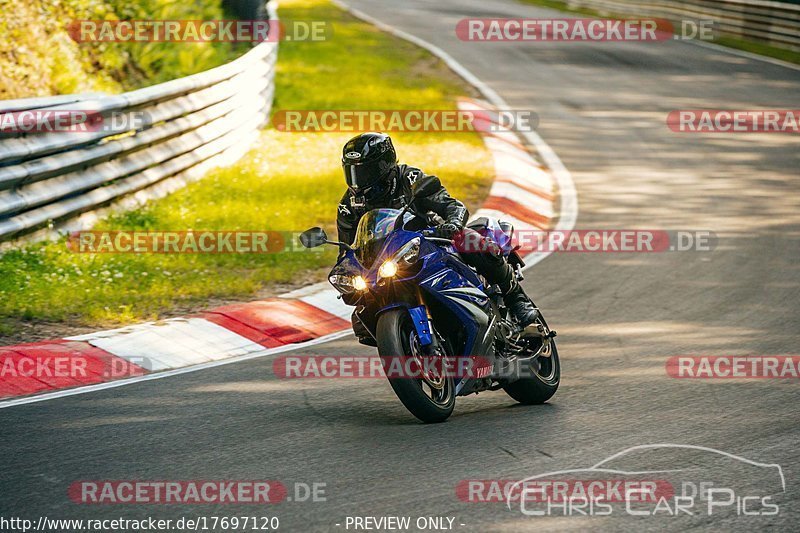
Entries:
{"x":446,"y":231}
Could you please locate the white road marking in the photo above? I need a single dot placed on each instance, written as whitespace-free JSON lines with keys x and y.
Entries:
{"x":172,"y":343}
{"x":169,"y":373}
{"x":327,"y":301}
{"x":523,"y":197}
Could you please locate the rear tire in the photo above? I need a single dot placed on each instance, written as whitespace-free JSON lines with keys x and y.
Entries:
{"x":395,"y":334}
{"x":544,"y":383}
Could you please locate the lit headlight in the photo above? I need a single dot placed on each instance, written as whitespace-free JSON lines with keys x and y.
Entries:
{"x":388,"y":269}
{"x":348,"y":284}
{"x":407,"y":255}
{"x":359,"y":283}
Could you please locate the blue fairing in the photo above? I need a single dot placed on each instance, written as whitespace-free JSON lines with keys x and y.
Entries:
{"x":458,"y":288}
{"x":437,"y":270}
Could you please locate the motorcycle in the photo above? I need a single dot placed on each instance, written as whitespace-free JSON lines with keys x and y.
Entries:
{"x":419,"y":300}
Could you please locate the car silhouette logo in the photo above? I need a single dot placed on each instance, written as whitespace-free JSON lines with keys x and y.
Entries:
{"x":614,"y":465}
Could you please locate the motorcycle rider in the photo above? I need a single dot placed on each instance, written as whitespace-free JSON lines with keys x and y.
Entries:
{"x":375,"y":180}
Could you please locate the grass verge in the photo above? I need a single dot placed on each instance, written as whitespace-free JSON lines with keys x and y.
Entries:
{"x":731,"y":42}
{"x":38,"y":57}
{"x":287,"y":182}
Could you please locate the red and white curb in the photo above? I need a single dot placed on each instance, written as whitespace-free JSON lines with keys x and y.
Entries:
{"x":143,"y":351}
{"x":524,"y":193}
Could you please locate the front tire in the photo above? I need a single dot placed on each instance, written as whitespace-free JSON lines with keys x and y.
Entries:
{"x":546,"y":377}
{"x":397,"y":337}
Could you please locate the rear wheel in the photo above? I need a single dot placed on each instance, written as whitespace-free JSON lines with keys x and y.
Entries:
{"x":544,"y":369}
{"x":430,"y":398}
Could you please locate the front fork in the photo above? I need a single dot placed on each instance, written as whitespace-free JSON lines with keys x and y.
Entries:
{"x":428,"y":340}
{"x":422,"y":325}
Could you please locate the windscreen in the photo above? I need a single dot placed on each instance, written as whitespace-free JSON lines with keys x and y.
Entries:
{"x":375,"y":225}
{"x":373,"y":228}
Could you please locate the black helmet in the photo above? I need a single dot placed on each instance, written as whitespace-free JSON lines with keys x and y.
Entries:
{"x":368,"y":161}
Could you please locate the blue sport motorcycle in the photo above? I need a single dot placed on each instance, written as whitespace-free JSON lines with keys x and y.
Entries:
{"x":420,"y":301}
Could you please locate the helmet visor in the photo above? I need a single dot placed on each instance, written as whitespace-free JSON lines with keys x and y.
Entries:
{"x":361,"y":176}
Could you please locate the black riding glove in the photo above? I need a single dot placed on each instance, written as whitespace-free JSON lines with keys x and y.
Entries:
{"x":446,"y":231}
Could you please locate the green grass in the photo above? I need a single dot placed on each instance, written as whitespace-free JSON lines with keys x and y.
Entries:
{"x":561,"y":6}
{"x":731,"y":42}
{"x":759,"y":48}
{"x":287,"y":182}
{"x":38,"y":57}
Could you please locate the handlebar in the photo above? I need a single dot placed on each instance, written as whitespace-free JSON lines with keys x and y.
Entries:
{"x":428,"y":235}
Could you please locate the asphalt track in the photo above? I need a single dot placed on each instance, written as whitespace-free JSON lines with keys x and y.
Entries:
{"x":619,"y":317}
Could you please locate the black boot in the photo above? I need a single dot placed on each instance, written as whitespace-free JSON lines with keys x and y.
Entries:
{"x":520,"y":308}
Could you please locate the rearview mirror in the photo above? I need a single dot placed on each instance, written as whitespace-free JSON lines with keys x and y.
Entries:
{"x":426,"y":186}
{"x":313,"y":237}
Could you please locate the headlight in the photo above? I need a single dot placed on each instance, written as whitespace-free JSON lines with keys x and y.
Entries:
{"x":348,"y":284}
{"x":410,"y":252}
{"x":388,"y":269}
{"x":359,"y":283}
{"x":407,"y":255}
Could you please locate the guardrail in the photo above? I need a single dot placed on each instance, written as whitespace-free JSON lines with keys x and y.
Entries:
{"x":775,"y":23}
{"x":47,"y":179}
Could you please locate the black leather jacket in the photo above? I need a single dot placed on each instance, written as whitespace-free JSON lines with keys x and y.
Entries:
{"x":351,"y":208}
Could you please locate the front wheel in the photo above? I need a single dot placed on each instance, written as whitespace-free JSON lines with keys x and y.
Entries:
{"x":545,"y":370}
{"x":431,"y":398}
